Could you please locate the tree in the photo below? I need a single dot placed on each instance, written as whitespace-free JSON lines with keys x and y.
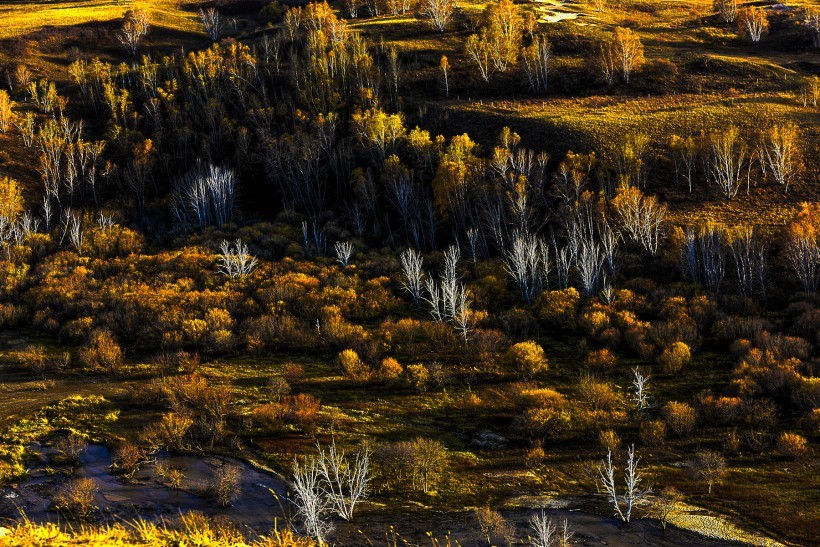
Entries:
{"x":782,"y":153}
{"x":439,"y":12}
{"x":346,"y":481}
{"x":728,"y":155}
{"x":235,"y":260}
{"x":527,"y":262}
{"x":749,"y":255}
{"x":813,"y":24}
{"x":211,"y":22}
{"x":343,"y":251}
{"x":640,"y":218}
{"x":640,"y":384}
{"x":710,"y":467}
{"x":803,"y":246}
{"x":11,"y":199}
{"x":685,"y":152}
{"x":493,"y":525}
{"x":504,"y":27}
{"x":633,"y":493}
{"x":536,"y":63}
{"x":622,"y":53}
{"x":546,"y":534}
{"x":444,"y":65}
{"x":136,"y":24}
{"x":665,"y":505}
{"x":206,"y":195}
{"x":411,"y":267}
{"x":727,"y":9}
{"x":6,"y":112}
{"x":313,"y":507}
{"x":753,"y":23}
{"x":478,"y":49}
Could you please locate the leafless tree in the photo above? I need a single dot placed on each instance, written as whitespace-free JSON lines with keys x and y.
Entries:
{"x":206,"y":194}
{"x":353,"y":8}
{"x":211,"y":22}
{"x":527,"y":262}
{"x":439,"y":12}
{"x":640,"y":383}
{"x":343,"y":251}
{"x":803,"y":254}
{"x":72,"y":222}
{"x":546,"y":534}
{"x":633,"y":495}
{"x":748,"y":253}
{"x":411,"y":267}
{"x":313,"y":507}
{"x":134,"y":28}
{"x":235,"y":260}
{"x":711,"y":255}
{"x":346,"y":481}
{"x":711,"y":467}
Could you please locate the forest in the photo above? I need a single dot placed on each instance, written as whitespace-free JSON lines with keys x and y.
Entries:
{"x":409,"y":272}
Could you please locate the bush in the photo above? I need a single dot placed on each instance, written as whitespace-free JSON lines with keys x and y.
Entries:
{"x":224,"y":487}
{"x":390,"y":369}
{"x":559,"y":307}
{"x":653,"y":433}
{"x":354,"y":367}
{"x":680,"y":417}
{"x":792,"y":445}
{"x":418,"y":376}
{"x":71,"y":448}
{"x":102,"y":353}
{"x":675,"y":356}
{"x":304,"y":411}
{"x":528,"y":357}
{"x":128,"y":458}
{"x":601,"y":359}
{"x":609,"y":440}
{"x":270,"y":417}
{"x":77,"y":498}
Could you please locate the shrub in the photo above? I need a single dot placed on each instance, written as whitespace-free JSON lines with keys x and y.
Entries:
{"x":278,"y":388}
{"x":390,"y":369}
{"x":77,"y":498}
{"x":653,"y":433}
{"x":304,"y":410}
{"x":270,"y":417}
{"x":172,"y":475}
{"x":528,"y":357}
{"x":224,"y":486}
{"x":609,"y":440}
{"x":354,"y":367}
{"x":675,"y":356}
{"x":598,"y":395}
{"x":418,"y":376}
{"x":680,"y":417}
{"x":601,"y":359}
{"x":559,"y":307}
{"x":792,"y":445}
{"x":293,"y":372}
{"x":71,"y":448}
{"x":102,"y":352}
{"x":128,"y":458}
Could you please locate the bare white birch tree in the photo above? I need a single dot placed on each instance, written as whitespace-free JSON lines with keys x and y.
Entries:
{"x":633,"y":495}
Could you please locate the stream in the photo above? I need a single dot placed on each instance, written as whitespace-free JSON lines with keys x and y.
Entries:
{"x":255,"y":509}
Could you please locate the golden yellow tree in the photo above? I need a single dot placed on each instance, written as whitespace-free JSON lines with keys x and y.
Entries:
{"x":11,"y":198}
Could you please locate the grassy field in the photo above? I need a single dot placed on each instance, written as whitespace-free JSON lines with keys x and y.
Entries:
{"x":22,"y":17}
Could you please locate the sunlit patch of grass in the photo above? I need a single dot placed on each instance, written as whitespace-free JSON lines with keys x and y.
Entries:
{"x":20,"y":18}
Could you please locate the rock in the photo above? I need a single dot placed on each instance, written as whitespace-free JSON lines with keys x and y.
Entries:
{"x":489,"y":440}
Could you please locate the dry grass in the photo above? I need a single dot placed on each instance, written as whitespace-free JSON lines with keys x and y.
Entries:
{"x":23,"y":17}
